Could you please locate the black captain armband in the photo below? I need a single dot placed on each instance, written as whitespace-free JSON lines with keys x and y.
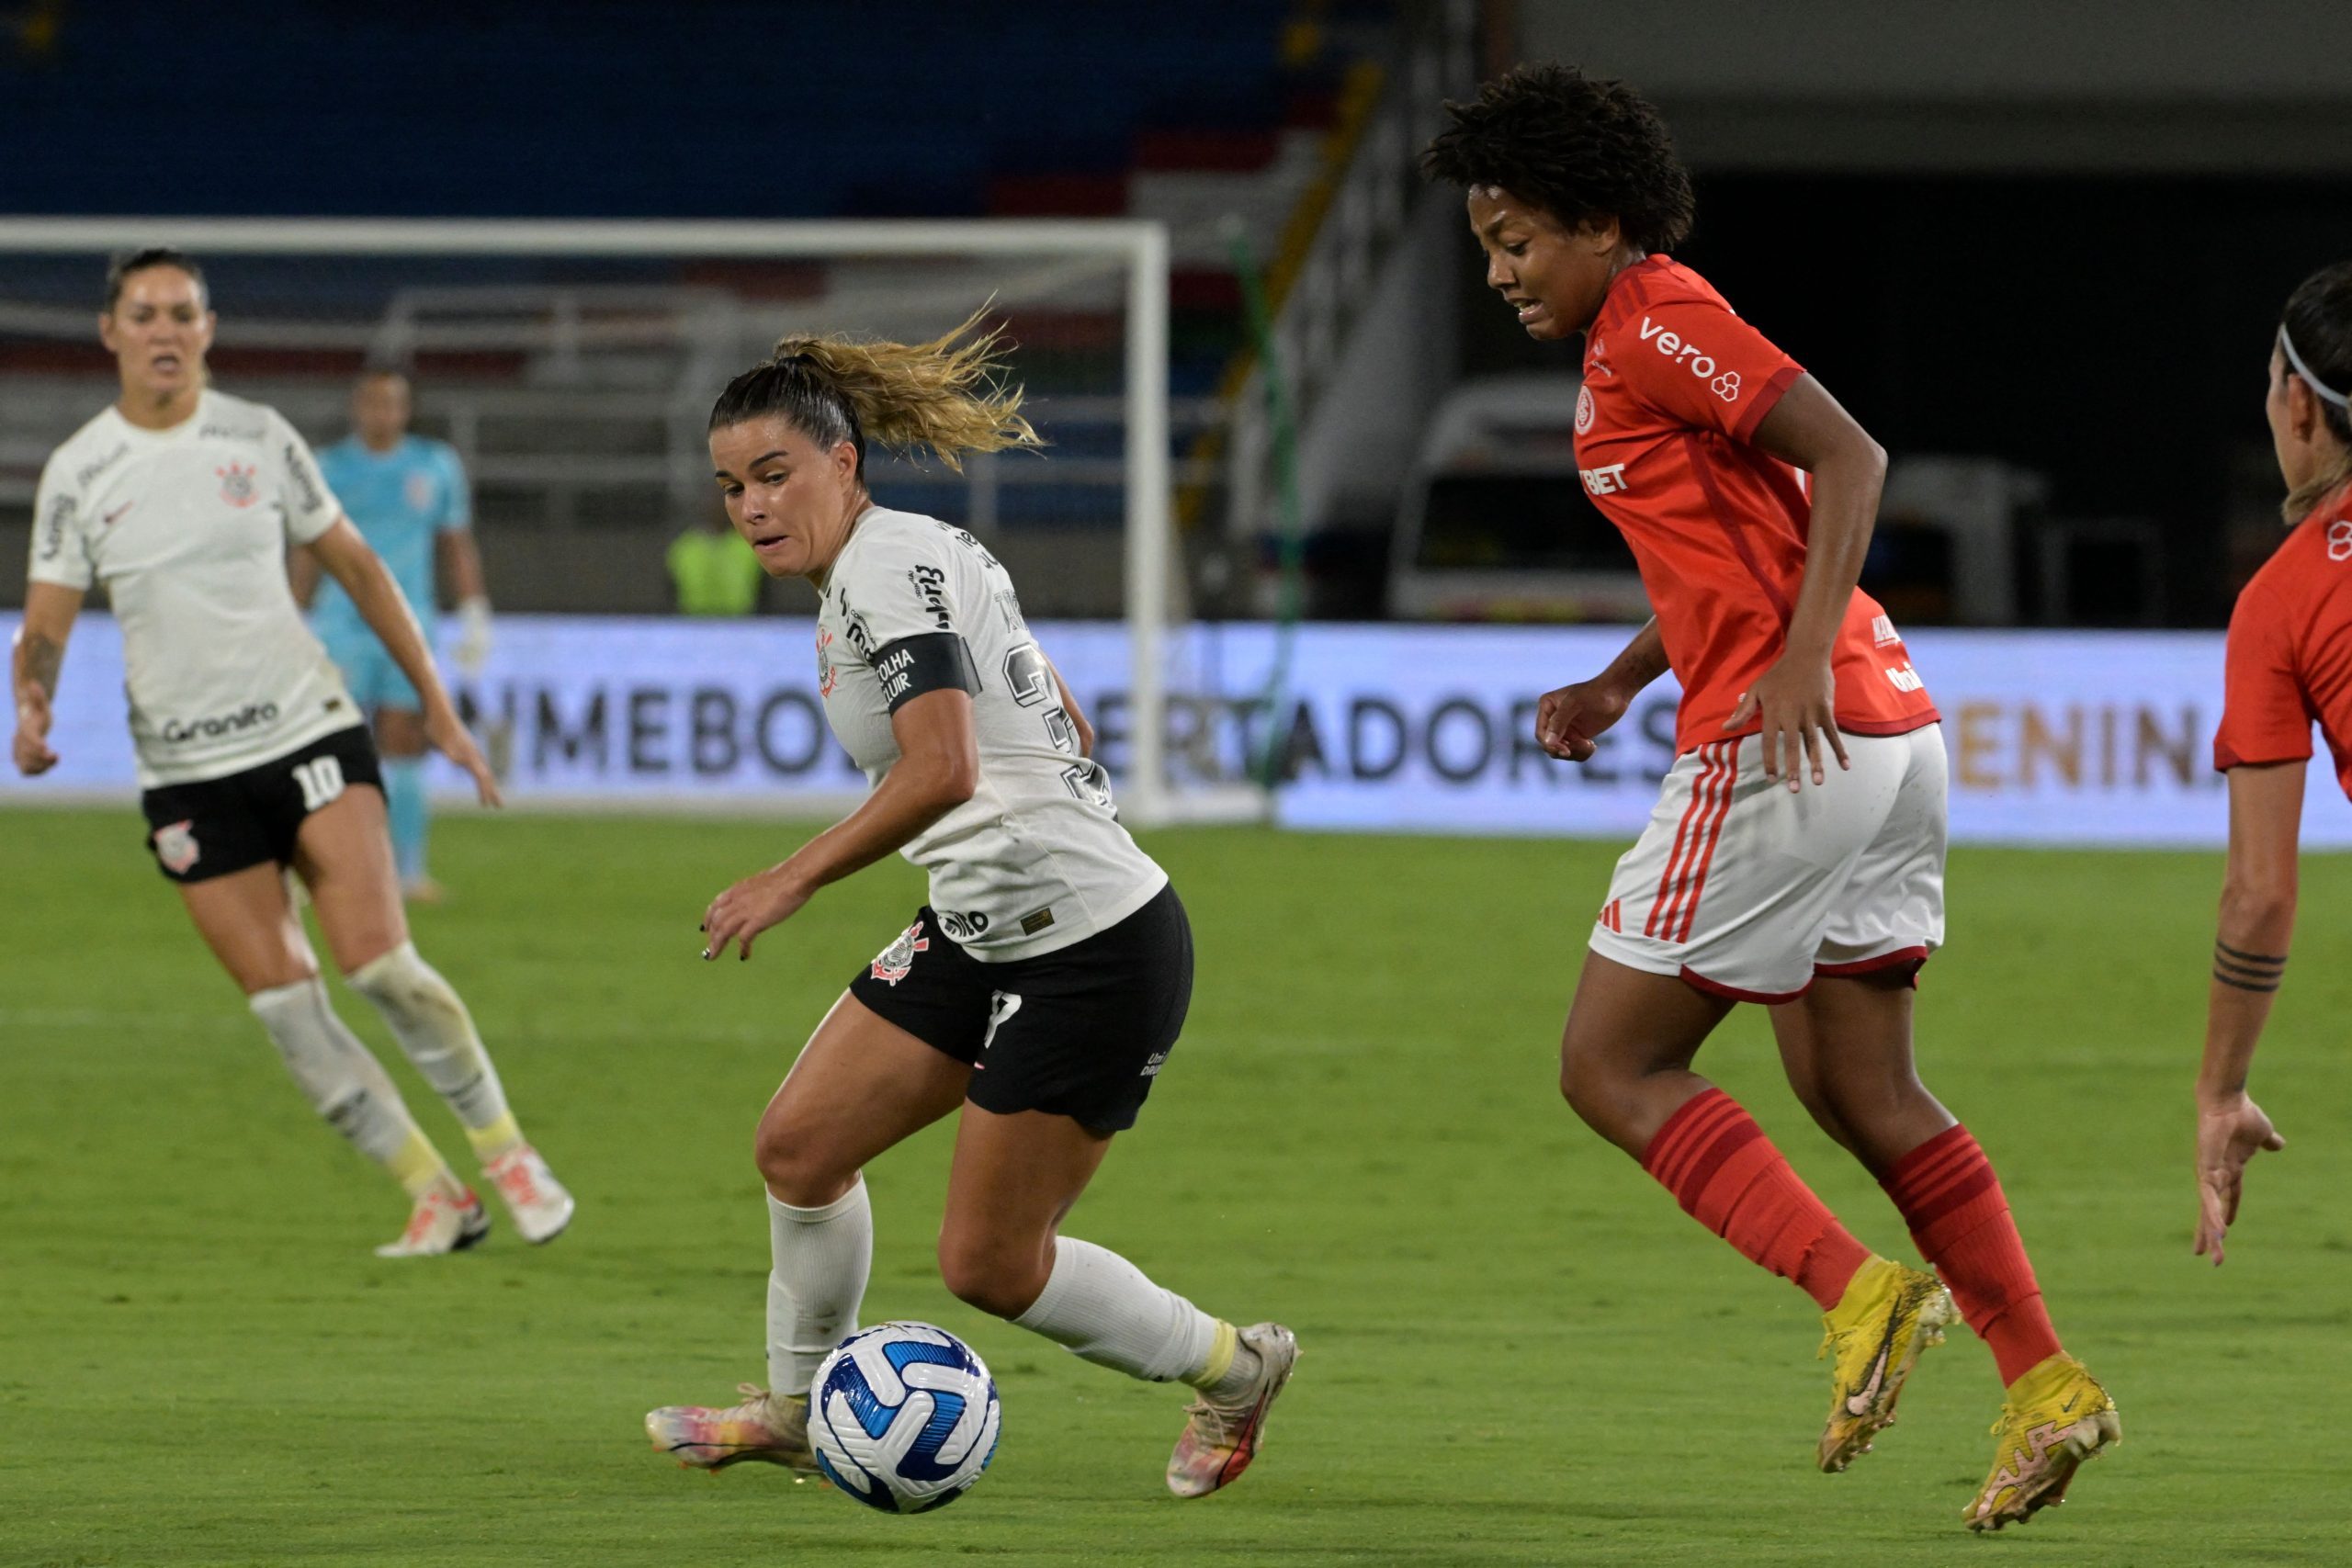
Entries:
{"x":928,"y":662}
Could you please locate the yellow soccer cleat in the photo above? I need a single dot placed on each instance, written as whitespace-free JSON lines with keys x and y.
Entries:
{"x":2054,"y":1418}
{"x":1888,"y":1314}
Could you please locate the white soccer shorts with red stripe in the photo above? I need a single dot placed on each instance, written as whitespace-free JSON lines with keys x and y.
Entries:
{"x":1746,"y":890}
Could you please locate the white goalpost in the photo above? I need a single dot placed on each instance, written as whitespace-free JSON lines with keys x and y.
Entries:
{"x":1123,"y":263}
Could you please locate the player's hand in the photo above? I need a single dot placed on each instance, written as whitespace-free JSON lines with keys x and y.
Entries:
{"x":2230,"y":1131}
{"x":751,"y":906}
{"x":30,"y":747}
{"x":1797,"y":700}
{"x":447,"y":735}
{"x":1567,"y":720}
{"x":471,"y":653}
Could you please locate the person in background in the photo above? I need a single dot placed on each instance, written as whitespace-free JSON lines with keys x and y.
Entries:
{"x":2289,"y":664}
{"x":407,"y":495}
{"x":712,"y":570}
{"x":182,"y":502}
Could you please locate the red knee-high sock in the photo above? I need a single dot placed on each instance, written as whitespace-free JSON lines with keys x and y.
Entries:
{"x":1727,"y":1175}
{"x":1959,"y":1218}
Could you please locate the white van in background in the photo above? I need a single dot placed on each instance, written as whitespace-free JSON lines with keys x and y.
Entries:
{"x":1494,"y":524}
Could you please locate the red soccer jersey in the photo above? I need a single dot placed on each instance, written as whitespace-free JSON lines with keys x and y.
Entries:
{"x":1674,"y":387}
{"x":2290,"y":650}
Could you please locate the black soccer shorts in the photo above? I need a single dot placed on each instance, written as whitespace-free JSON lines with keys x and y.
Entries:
{"x":1081,"y":1033}
{"x":214,"y":827}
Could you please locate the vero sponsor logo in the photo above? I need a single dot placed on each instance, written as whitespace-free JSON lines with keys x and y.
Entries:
{"x":1692,"y":358}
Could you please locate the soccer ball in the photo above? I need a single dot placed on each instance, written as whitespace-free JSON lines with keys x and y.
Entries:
{"x":903,"y":1417}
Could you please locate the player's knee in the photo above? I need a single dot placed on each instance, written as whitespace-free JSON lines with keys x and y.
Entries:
{"x":1593,"y":1090}
{"x":1859,"y":1101}
{"x":1001,"y":1276}
{"x":798,"y":1167}
{"x":401,"y":983}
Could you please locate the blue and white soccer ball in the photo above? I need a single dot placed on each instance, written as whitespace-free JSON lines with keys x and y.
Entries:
{"x":904,"y":1417}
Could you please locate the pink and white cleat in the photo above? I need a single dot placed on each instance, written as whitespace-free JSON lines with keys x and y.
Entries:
{"x":438,"y":1226}
{"x":537,"y":1201}
{"x":766,"y":1426}
{"x":1221,"y":1437}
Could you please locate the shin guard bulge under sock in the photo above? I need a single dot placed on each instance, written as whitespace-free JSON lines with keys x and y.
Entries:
{"x":434,"y":1028}
{"x":1726,"y":1175}
{"x":343,"y":1080}
{"x":820,"y":1260}
{"x":1103,"y":1309}
{"x":1959,"y":1219}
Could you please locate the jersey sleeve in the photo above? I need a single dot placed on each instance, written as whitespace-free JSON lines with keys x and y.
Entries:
{"x":60,"y":551}
{"x":2264,"y":716}
{"x":310,"y":505}
{"x":1695,"y":362}
{"x":905,"y":615}
{"x":456,"y":497}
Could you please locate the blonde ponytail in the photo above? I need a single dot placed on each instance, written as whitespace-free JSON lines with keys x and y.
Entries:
{"x":946,"y":395}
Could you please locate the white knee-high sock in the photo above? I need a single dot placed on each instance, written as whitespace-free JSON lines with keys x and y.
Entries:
{"x":1102,"y":1308}
{"x":435,"y":1029}
{"x":344,"y":1083}
{"x":822,"y":1258}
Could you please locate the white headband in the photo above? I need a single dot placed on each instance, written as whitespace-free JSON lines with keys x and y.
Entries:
{"x":2327,"y":393}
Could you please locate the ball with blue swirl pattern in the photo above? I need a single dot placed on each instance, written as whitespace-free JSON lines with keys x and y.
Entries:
{"x":904,"y":1417}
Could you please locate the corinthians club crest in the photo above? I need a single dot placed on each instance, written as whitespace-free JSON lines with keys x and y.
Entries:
{"x":175,"y":847}
{"x":897,"y":959}
{"x":237,"y":487}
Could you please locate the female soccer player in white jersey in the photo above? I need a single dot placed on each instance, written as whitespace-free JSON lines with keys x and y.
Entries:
{"x":1041,"y":989}
{"x":182,"y":502}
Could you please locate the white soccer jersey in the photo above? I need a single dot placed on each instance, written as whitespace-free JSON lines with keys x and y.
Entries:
{"x":1035,"y":860}
{"x":187,"y":529}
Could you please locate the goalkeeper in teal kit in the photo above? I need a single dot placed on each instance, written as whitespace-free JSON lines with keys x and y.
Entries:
{"x":408,"y":497}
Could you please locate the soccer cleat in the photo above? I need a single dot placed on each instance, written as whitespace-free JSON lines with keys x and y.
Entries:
{"x":1221,"y":1436}
{"x":1888,"y":1314}
{"x":424,"y":890}
{"x":438,"y":1226}
{"x":766,"y":1426}
{"x":537,"y":1201}
{"x":2054,"y":1418}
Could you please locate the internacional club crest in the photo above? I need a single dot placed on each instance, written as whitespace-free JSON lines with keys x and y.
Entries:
{"x":237,"y":487}
{"x":175,"y":846}
{"x":899,"y":959}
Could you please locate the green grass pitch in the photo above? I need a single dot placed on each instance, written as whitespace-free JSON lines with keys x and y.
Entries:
{"x":1518,"y":1349}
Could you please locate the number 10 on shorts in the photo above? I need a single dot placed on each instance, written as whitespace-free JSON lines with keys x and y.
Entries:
{"x":322,"y":781}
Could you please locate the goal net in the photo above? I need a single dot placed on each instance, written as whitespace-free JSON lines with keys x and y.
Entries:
{"x":573,"y":364}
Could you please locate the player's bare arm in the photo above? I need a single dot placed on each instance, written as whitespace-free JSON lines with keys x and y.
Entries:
{"x":1076,"y":714}
{"x":35,"y":661}
{"x":302,"y":574}
{"x":937,"y":769}
{"x":2256,"y":924}
{"x":344,"y":555}
{"x":1569,"y":717}
{"x":1796,"y":699}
